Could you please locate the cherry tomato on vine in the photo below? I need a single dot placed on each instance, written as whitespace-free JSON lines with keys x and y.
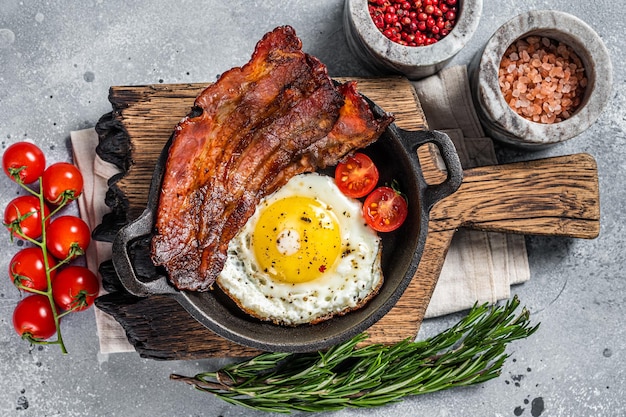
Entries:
{"x":356,"y":176}
{"x":385,"y":209}
{"x":75,"y":288}
{"x":27,"y":268}
{"x":67,"y":236}
{"x":33,"y":316}
{"x":24,"y":160}
{"x":23,"y":214}
{"x":61,"y":181}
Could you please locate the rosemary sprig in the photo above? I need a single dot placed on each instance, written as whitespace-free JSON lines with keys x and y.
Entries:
{"x":470,"y":352}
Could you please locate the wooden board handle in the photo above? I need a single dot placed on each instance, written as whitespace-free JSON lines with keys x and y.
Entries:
{"x":556,"y":196}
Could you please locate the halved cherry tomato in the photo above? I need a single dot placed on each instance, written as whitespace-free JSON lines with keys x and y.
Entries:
{"x":33,"y":316}
{"x":75,"y":288}
{"x":23,"y":214}
{"x":356,"y":176}
{"x":27,"y":268}
{"x":24,"y":160}
{"x":67,"y":236}
{"x":61,"y":181}
{"x":385,"y":209}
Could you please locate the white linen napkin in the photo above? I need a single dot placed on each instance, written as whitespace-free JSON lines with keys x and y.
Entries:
{"x":479,"y":266}
{"x":96,"y":173}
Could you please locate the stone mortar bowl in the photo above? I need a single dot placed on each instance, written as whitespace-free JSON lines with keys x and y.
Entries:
{"x":499,"y":120}
{"x":384,"y":56}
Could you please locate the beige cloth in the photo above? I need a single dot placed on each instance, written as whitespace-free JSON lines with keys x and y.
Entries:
{"x":91,"y":204}
{"x":479,"y":266}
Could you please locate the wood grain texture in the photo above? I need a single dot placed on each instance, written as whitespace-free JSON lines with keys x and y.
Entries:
{"x":555,"y":196}
{"x":159,"y":328}
{"x":146,"y":116}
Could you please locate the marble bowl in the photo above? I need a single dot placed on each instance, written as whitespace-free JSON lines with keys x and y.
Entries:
{"x":384,"y":56}
{"x":503,"y":123}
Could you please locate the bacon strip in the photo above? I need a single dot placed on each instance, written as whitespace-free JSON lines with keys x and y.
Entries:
{"x":252,"y":130}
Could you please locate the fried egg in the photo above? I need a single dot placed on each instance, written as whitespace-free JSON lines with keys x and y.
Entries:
{"x":304,"y":256}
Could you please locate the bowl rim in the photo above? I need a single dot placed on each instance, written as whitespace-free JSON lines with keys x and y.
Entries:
{"x":556,"y":25}
{"x":467,"y":22}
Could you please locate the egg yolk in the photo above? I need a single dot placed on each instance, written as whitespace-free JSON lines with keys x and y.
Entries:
{"x":296,"y":239}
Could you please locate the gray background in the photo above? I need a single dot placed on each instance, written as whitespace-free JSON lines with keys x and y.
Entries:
{"x":57,"y":61}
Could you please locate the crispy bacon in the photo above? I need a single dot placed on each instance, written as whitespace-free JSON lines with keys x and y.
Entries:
{"x":248,"y":134}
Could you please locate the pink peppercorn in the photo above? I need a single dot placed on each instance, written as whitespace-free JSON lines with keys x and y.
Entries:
{"x":416,"y":23}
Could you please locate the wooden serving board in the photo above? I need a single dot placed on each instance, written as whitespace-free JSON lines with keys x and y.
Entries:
{"x":555,"y":196}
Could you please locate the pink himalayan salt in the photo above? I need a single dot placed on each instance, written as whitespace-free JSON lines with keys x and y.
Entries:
{"x":542,"y":80}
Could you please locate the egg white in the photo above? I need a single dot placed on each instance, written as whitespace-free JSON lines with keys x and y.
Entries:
{"x":346,"y":285}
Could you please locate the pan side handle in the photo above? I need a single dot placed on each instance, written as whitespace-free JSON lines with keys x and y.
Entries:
{"x":433,"y":193}
{"x":556,"y":196}
{"x":124,"y":266}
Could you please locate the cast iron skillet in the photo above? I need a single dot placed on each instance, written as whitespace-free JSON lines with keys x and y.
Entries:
{"x":395,"y":155}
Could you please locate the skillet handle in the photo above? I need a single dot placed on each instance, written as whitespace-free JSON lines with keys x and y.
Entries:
{"x":436,"y":192}
{"x":124,"y":266}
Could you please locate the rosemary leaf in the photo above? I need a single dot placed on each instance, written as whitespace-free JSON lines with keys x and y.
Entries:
{"x":470,"y":352}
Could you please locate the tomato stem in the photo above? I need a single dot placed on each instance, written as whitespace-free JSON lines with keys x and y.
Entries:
{"x":63,"y":262}
{"x":35,"y":341}
{"x":57,"y":209}
{"x":15,"y":229}
{"x":65,"y":313}
{"x":31,"y":290}
{"x":55,"y":311}
{"x":19,"y":181}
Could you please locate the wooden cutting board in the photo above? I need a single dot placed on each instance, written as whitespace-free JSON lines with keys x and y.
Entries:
{"x":555,"y":196}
